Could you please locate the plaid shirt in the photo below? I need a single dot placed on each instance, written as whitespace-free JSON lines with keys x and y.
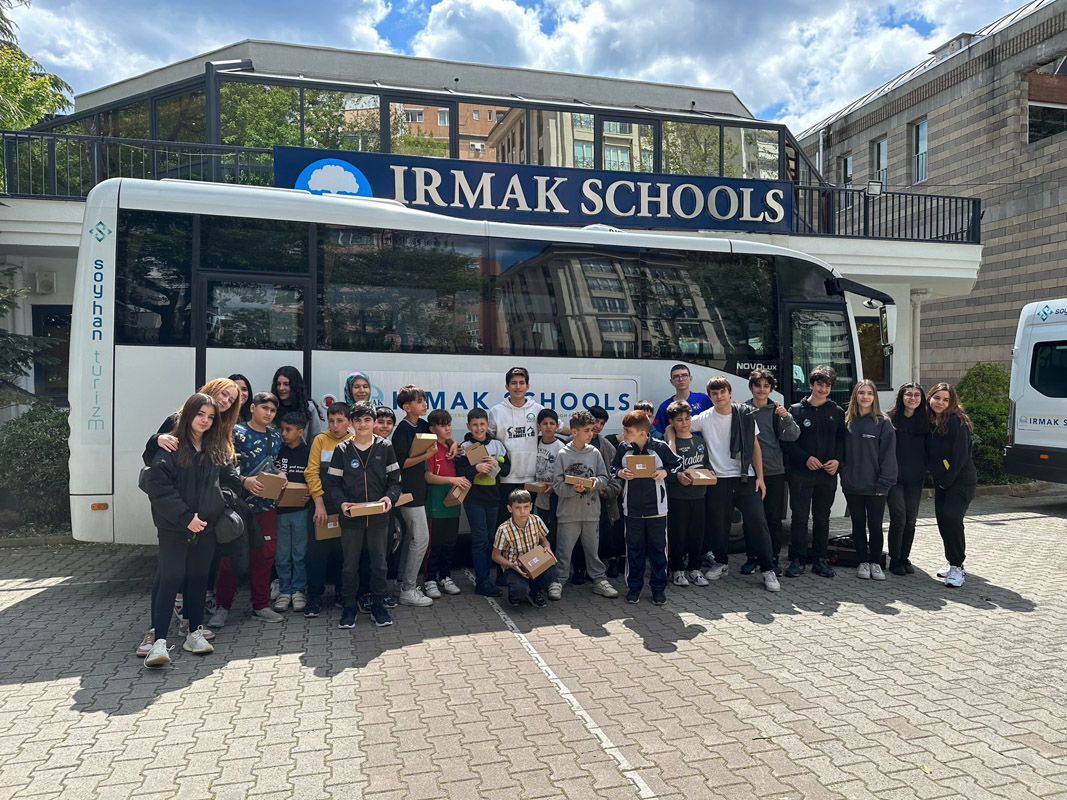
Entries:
{"x":513,"y":541}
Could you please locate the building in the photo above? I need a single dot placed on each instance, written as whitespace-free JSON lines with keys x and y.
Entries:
{"x":985,"y":116}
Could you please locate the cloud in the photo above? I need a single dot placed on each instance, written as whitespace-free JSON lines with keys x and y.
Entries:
{"x":363,"y":26}
{"x":332,"y":179}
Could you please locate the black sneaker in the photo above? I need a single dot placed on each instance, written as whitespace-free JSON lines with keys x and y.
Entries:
{"x":749,"y":566}
{"x":633,"y":596}
{"x":613,"y":568}
{"x":537,"y":599}
{"x":578,"y":578}
{"x":823,"y":569}
{"x":313,"y":607}
{"x":659,"y":598}
{"x":380,"y":615}
{"x":908,"y":568}
{"x":777,"y":568}
{"x":487,"y":589}
{"x":794,"y":570}
{"x":514,"y":603}
{"x":363,"y":603}
{"x":348,"y":618}
{"x":389,"y":601}
{"x":897,"y":568}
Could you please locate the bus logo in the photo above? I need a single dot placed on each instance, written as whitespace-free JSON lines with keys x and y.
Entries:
{"x":100,"y":231}
{"x":334,"y":176}
{"x":1045,"y":313}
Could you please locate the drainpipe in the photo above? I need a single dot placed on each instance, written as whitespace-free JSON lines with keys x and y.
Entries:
{"x":822,"y":140}
{"x":917,"y":296}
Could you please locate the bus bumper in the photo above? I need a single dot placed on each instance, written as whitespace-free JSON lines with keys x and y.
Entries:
{"x":93,"y":517}
{"x":1026,"y":460}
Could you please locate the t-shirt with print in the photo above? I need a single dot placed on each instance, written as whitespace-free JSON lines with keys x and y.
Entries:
{"x":256,"y":452}
{"x":440,"y":464}
{"x":546,"y":461}
{"x":715,"y":428}
{"x":694,"y":454}
{"x":414,"y":477}
{"x":293,"y":462}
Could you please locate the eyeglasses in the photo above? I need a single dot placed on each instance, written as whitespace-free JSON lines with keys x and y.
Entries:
{"x":679,"y":377}
{"x":914,"y":394}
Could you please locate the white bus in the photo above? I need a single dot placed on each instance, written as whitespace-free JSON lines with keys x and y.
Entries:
{"x":179,"y":282}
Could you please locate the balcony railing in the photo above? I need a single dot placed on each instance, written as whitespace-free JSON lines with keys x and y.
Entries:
{"x":58,"y":166}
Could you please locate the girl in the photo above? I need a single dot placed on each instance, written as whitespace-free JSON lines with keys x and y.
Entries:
{"x":955,"y":477}
{"x":245,"y":387}
{"x":357,"y":388}
{"x":870,"y":470}
{"x":911,"y":421}
{"x":184,"y":488}
{"x":288,"y":387}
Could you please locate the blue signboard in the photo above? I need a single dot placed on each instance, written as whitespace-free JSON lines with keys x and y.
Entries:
{"x":541,"y":195}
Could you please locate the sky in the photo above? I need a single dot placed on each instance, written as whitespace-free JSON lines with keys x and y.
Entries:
{"x":789,"y":61}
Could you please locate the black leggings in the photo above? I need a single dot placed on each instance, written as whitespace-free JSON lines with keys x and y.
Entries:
{"x":950,"y":507}
{"x":867,"y":511}
{"x":903,"y":502}
{"x":181,"y":564}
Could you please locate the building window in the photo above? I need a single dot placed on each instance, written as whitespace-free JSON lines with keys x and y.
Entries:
{"x":613,"y":127}
{"x":414,"y":115}
{"x":477,"y":147}
{"x":612,"y":325}
{"x":597,"y":265}
{"x":1045,"y":120}
{"x":846,"y":171}
{"x":442,"y":117}
{"x":583,"y":155}
{"x":876,"y":365}
{"x":474,"y":115}
{"x":597,"y":284}
{"x":489,"y":115}
{"x":583,"y":120}
{"x":918,"y":152}
{"x":615,"y":305}
{"x":617,"y":158}
{"x":1048,"y":368}
{"x":880,"y":160}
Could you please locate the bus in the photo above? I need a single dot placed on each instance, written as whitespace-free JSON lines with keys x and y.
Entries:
{"x":178,"y":282}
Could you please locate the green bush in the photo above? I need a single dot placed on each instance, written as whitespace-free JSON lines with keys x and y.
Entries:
{"x":34,"y":468}
{"x":984,"y":381}
{"x":990,"y":418}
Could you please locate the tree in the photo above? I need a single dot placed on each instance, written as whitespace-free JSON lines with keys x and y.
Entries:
{"x":27,"y":93}
{"x":17,"y":352}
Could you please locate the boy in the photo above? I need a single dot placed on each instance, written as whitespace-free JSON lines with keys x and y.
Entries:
{"x":775,"y":425}
{"x":814,"y":460}
{"x":644,"y":506}
{"x":513,"y":421}
{"x":363,"y":469}
{"x":256,"y":444}
{"x":289,"y":561}
{"x":517,"y":536}
{"x":548,"y":447}
{"x":612,"y":545}
{"x":412,"y":400}
{"x":323,"y":557}
{"x":685,"y":501}
{"x":441,"y":478}
{"x":578,"y":511}
{"x":483,"y":499}
{"x":681,"y":377}
{"x":384,"y":422}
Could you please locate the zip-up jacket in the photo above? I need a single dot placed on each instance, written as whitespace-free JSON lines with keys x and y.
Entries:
{"x":483,"y":491}
{"x":152,"y":445}
{"x":822,"y":434}
{"x":773,"y":430}
{"x":516,"y":428}
{"x":585,"y":463}
{"x":319,"y":458}
{"x":643,"y":497}
{"x":356,"y":476}
{"x":177,"y":493}
{"x":870,"y":456}
{"x":951,"y":461}
{"x":610,"y":504}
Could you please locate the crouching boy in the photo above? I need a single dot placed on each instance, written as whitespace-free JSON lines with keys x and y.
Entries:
{"x":515,"y":537}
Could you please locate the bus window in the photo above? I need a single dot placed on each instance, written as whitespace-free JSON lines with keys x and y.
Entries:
{"x":261,"y":245}
{"x":255,"y":316}
{"x":822,"y":337}
{"x":1048,"y":369}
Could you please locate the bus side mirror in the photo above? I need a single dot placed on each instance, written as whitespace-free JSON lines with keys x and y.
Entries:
{"x":887,"y":323}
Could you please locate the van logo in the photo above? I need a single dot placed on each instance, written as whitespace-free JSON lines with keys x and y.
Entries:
{"x":1045,"y":313}
{"x":100,"y":231}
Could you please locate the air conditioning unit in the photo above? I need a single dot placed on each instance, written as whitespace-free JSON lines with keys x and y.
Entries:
{"x":44,"y":282}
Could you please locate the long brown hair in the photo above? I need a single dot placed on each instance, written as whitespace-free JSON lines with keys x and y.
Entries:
{"x":211,"y":443}
{"x":940,"y":421}
{"x":919,"y":421}
{"x":224,"y":420}
{"x":853,"y":411}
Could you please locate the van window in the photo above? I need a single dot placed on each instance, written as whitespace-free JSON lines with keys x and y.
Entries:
{"x":1048,"y":368}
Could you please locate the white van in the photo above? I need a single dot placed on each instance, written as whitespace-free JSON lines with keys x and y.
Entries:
{"x":1037,"y":421}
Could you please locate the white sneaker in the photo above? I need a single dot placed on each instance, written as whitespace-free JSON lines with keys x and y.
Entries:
{"x":275,"y":589}
{"x":430,"y":590}
{"x":196,"y":643}
{"x":209,"y":603}
{"x":555,"y":590}
{"x":678,"y":578}
{"x":281,"y":603}
{"x":717,"y":571}
{"x":218,"y":619}
{"x":158,"y":655}
{"x":944,"y":571}
{"x":300,"y":601}
{"x":145,"y":647}
{"x":770,"y":581}
{"x":708,"y":559}
{"x":267,"y":615}
{"x":696,"y":577}
{"x":605,"y":589}
{"x":448,"y":586}
{"x":414,"y":597}
{"x":956,"y":576}
{"x":876,"y":573}
{"x":863,"y":571}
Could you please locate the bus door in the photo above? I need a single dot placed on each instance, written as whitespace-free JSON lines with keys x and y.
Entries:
{"x":813,"y":334}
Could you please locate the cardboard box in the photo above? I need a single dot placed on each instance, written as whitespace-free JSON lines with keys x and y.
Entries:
{"x":364,"y":509}
{"x":475,"y":453}
{"x":403,"y":500}
{"x":641,"y":466}
{"x":456,"y":496}
{"x":273,"y":484}
{"x":331,"y":530}
{"x":537,"y":561}
{"x":538,"y":487}
{"x":574,"y":480}
{"x":702,"y":477}
{"x":292,"y":495}
{"x":422,"y":443}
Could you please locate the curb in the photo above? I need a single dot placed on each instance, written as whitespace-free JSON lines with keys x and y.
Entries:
{"x":35,"y":541}
{"x":999,"y":490}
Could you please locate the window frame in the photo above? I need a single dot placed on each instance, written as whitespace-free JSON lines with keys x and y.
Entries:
{"x":886,"y":384}
{"x":919,"y":158}
{"x":1051,"y":343}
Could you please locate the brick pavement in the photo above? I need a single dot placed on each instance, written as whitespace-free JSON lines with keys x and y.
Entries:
{"x":833,"y":688}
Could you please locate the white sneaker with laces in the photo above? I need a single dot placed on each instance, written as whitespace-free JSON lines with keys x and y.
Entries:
{"x":430,"y":590}
{"x":159,"y":655}
{"x":863,"y":571}
{"x":678,"y":578}
{"x":414,"y":597}
{"x":275,"y":589}
{"x":876,"y":573}
{"x":605,"y":589}
{"x":956,"y":576}
{"x":770,"y":581}
{"x":218,"y":619}
{"x":717,"y":571}
{"x":448,"y":586}
{"x":145,"y":647}
{"x":943,"y":572}
{"x":696,"y":577}
{"x":555,"y":590}
{"x":197,"y":643}
{"x":267,"y":615}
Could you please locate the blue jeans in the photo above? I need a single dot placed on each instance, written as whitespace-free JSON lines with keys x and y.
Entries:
{"x":482,"y":521}
{"x":290,"y":559}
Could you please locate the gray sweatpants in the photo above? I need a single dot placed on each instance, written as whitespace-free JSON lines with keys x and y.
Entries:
{"x":567,"y":535}
{"x":418,"y":539}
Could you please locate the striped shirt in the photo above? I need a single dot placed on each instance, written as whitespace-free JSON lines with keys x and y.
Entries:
{"x":513,"y":541}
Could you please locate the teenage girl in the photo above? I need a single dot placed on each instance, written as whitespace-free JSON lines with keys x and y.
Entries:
{"x":955,"y":477}
{"x":288,"y":387}
{"x":245,"y":387}
{"x":911,"y":420}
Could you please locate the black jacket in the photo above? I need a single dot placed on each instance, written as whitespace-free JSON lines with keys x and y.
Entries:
{"x":152,"y":445}
{"x":360,"y":476}
{"x":913,"y":456}
{"x":822,"y":434}
{"x":743,"y":436}
{"x":178,"y":493}
{"x":951,"y":462}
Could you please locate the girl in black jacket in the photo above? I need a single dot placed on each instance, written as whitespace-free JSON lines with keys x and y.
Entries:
{"x":184,"y":488}
{"x":911,"y":421}
{"x":955,"y":478}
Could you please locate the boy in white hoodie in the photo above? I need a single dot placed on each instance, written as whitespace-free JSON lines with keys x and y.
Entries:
{"x":514,"y":422}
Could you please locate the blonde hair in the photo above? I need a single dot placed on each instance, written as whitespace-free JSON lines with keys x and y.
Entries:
{"x":853,"y":410}
{"x":225,"y":420}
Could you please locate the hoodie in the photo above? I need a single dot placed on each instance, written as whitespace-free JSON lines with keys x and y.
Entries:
{"x":585,"y":463}
{"x":516,"y":428}
{"x":484,"y":490}
{"x":870,"y":456}
{"x":772,"y":430}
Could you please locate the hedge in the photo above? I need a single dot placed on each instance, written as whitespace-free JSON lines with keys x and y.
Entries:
{"x":34,"y":469}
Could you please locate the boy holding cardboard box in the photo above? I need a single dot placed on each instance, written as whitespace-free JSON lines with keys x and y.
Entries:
{"x":442,"y":480}
{"x":363,"y":469}
{"x":515,"y":538}
{"x":685,"y":499}
{"x":483,"y":499}
{"x":292,"y":507}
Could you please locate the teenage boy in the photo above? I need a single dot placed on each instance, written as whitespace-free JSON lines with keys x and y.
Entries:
{"x":256,"y":444}
{"x":548,"y":447}
{"x":441,"y":478}
{"x":516,"y":536}
{"x":612,"y":545}
{"x":775,"y":425}
{"x":483,"y":499}
{"x":681,"y":377}
{"x":730,"y":432}
{"x":578,"y":512}
{"x":363,"y":469}
{"x":514,"y":422}
{"x":324,"y":557}
{"x":290,"y":560}
{"x":412,"y":400}
{"x":813,"y":461}
{"x":644,"y":506}
{"x":685,"y":500}
{"x":384,"y":422}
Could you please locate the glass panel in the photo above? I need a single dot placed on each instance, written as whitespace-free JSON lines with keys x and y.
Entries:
{"x":627,"y":147}
{"x":50,"y":380}
{"x":1048,"y":369}
{"x":259,"y":115}
{"x":759,"y":153}
{"x":182,"y":118}
{"x":875,"y":365}
{"x":128,"y":122}
{"x":499,"y":136}
{"x":153,"y":275}
{"x":1046,"y":121}
{"x":234,"y":243}
{"x":413,"y":131}
{"x":342,"y":120}
{"x":583,"y":155}
{"x":561,"y":139}
{"x":86,"y":126}
{"x":733,"y":159}
{"x":690,"y":148}
{"x":821,"y":337}
{"x":399,"y":291}
{"x":256,"y":316}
